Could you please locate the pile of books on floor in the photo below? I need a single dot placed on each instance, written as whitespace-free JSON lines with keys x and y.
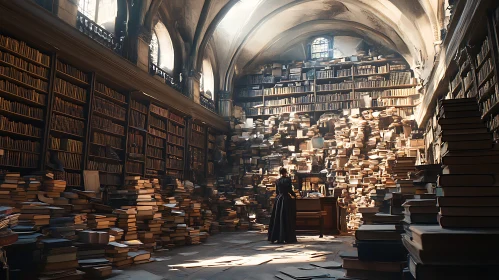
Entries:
{"x":380,"y":253}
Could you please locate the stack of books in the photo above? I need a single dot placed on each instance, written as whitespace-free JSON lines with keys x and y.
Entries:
{"x":96,"y":268}
{"x":420,"y":211}
{"x":465,"y":245}
{"x":97,"y":221}
{"x":59,"y":259}
{"x":53,"y":188}
{"x":193,"y":237}
{"x":32,"y":185}
{"x":38,"y":214}
{"x":127,"y":221}
{"x":117,"y":254}
{"x":10,"y":182}
{"x":380,"y":253}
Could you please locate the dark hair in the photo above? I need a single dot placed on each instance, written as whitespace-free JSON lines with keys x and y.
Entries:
{"x":283,"y":171}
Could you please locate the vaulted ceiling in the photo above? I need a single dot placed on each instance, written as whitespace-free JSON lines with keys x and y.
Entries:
{"x":238,"y":35}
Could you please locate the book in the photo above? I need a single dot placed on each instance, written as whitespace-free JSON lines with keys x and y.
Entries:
{"x":477,"y":201}
{"x":468,"y":222}
{"x":378,"y":232}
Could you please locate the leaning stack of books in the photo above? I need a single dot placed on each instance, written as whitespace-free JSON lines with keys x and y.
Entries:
{"x":465,"y":245}
{"x":127,"y":220}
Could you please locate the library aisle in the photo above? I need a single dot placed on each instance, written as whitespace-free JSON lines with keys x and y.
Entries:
{"x":245,"y":256}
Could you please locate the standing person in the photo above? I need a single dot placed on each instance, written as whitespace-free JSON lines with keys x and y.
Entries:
{"x":282,"y":227}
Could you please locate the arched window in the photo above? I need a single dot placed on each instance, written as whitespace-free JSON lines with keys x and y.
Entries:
{"x":320,"y":48}
{"x":162,"y":52}
{"x":102,"y":12}
{"x":154,"y":46}
{"x":207,"y":82}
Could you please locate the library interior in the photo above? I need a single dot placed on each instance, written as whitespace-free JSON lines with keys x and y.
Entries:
{"x":249,"y":139}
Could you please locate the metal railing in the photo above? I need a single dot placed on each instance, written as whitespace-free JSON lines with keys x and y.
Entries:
{"x":155,"y":70}
{"x":99,"y":34}
{"x":207,"y":103}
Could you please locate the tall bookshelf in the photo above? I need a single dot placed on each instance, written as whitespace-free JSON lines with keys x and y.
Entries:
{"x":136,"y":138}
{"x":347,"y":85}
{"x":24,"y":91}
{"x":210,"y":154}
{"x":107,"y":134}
{"x":175,"y":148}
{"x":197,"y":149}
{"x":69,"y":121}
{"x":52,"y":110}
{"x":156,"y":140}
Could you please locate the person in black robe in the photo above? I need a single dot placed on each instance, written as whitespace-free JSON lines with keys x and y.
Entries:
{"x":282,"y":226}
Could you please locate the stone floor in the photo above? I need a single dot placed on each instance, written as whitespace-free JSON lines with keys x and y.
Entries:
{"x":238,"y":256}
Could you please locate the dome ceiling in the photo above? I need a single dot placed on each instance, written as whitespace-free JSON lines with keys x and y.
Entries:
{"x":253,"y":32}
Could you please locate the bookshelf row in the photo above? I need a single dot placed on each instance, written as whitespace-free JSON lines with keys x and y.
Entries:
{"x":58,"y":116}
{"x":477,"y":76}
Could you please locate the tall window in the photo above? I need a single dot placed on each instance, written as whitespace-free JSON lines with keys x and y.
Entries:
{"x":207,"y":82}
{"x":154,"y":46}
{"x":162,"y":52}
{"x":320,"y":48}
{"x":102,"y":12}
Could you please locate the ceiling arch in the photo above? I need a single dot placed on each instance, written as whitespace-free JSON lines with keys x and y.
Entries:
{"x":409,"y":27}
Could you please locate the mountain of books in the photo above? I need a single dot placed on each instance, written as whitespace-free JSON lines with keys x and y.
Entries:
{"x":359,"y":152}
{"x":59,"y":233}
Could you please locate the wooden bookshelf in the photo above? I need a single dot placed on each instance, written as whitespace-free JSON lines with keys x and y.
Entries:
{"x":197,"y":149}
{"x":311,"y":89}
{"x":108,"y":123}
{"x":24,"y":91}
{"x":157,"y":136}
{"x":175,"y":146}
{"x":50,"y":106}
{"x":137,"y":137}
{"x":210,"y":154}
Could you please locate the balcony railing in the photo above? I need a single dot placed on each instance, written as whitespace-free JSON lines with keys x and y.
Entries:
{"x":155,"y":70}
{"x":207,"y":102}
{"x":99,"y":34}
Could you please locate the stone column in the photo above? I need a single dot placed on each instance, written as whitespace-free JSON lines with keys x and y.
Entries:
{"x":143,"y":42}
{"x":192,"y":84}
{"x":67,"y":10}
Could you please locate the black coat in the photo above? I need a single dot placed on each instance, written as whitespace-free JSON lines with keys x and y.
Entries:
{"x":282,"y":226}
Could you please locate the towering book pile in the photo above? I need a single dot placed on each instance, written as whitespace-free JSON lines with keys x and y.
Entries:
{"x":380,"y":253}
{"x":127,"y":221}
{"x":10,"y":183}
{"x":464,"y":246}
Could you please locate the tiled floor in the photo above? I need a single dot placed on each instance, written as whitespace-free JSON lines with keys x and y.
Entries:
{"x":239,"y":255}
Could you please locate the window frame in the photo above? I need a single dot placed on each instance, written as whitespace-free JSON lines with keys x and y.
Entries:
{"x":329,"y":50}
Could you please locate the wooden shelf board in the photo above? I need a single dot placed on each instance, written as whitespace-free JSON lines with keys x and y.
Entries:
{"x":19,"y":134}
{"x":137,"y":110}
{"x":334,"y":91}
{"x":174,"y":134}
{"x":70,"y":99}
{"x":2,"y":48}
{"x":289,"y":94}
{"x":76,"y":153}
{"x":173,"y":168}
{"x":174,"y":144}
{"x":19,"y":116}
{"x":22,"y":84}
{"x":71,"y":79}
{"x":155,"y":146}
{"x":102,"y":95}
{"x":108,"y":116}
{"x":22,"y":151}
{"x":107,"y":132}
{"x":136,"y":160}
{"x":66,"y":133}
{"x":158,"y":128}
{"x":68,"y":115}
{"x":23,"y":70}
{"x":177,"y":123}
{"x":105,"y":158}
{"x":489,"y":75}
{"x":97,"y":144}
{"x":10,"y":95}
{"x":155,"y":157}
{"x":159,"y":116}
{"x":485,"y":58}
{"x":491,"y":111}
